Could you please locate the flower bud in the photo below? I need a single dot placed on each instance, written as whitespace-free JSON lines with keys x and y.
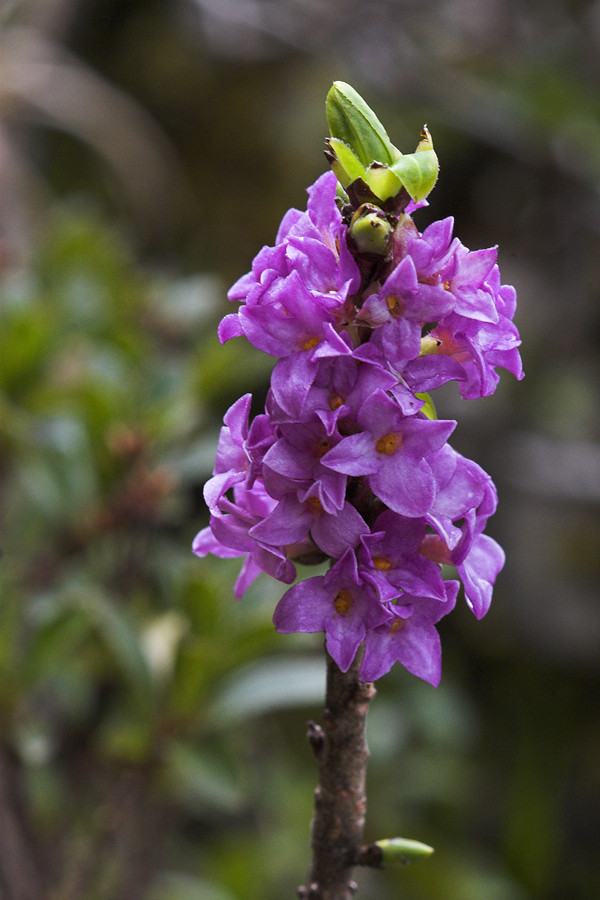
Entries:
{"x":353,"y":122}
{"x":370,"y":230}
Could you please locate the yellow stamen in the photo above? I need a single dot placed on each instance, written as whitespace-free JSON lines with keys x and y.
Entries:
{"x":382,"y":563}
{"x":309,"y":343}
{"x":394,"y":304}
{"x":343,"y":602}
{"x":335,"y":401}
{"x":389,"y":443}
{"x":397,"y":625}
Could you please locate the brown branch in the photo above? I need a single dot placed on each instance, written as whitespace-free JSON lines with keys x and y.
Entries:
{"x":340,"y":801}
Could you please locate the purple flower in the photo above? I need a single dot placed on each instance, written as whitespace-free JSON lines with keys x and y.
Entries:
{"x":205,"y":542}
{"x":478,"y":560}
{"x":409,"y":637}
{"x":390,"y":452}
{"x":295,"y":464}
{"x":450,"y":265}
{"x":229,"y":536}
{"x":474,"y":349}
{"x":293,"y":520}
{"x":402,"y":296}
{"x":461,"y":487}
{"x":431,"y":250}
{"x":391,"y":563}
{"x":335,"y":390}
{"x":338,"y":603}
{"x":232,"y":461}
{"x":478,"y":572}
{"x":466,"y":499}
{"x":284,"y":317}
{"x":297,"y":289}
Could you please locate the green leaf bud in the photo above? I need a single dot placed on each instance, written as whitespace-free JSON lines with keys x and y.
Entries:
{"x":370,"y":230}
{"x":352,"y":121}
{"x":418,"y":171}
{"x":402,"y":851}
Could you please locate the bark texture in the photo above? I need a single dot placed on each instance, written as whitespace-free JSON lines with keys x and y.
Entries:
{"x":340,"y":800}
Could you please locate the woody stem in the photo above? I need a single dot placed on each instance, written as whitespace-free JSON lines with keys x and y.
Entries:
{"x":340,"y":801}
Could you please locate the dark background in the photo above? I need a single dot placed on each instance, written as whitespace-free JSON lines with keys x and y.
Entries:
{"x":152,"y":729}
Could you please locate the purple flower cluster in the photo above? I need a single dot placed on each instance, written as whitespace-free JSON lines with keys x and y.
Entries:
{"x":348,"y":463}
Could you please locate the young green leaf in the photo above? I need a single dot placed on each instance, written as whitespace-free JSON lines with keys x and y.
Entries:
{"x":383,"y":182}
{"x":354,"y":122}
{"x":428,"y":407}
{"x":418,"y":171}
{"x":346,"y":166}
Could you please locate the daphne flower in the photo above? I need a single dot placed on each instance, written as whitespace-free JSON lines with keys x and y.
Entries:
{"x":339,"y":603}
{"x":390,"y":452}
{"x":344,"y":464}
{"x":409,"y":637}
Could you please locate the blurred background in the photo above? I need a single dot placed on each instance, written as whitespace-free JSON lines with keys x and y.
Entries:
{"x":152,"y":730}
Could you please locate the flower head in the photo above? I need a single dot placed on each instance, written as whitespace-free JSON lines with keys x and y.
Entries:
{"x":348,"y":463}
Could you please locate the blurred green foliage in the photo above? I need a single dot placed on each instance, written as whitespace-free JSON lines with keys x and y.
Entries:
{"x":113,"y":637}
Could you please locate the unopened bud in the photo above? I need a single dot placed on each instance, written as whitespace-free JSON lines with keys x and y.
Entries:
{"x":429,"y":345}
{"x":370,"y":230}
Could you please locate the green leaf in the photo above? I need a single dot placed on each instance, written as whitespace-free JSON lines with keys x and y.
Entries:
{"x":181,"y":886}
{"x":120,"y":639}
{"x":52,"y":643}
{"x":429,"y":407}
{"x":199,"y":779}
{"x":352,"y":121}
{"x":108,"y":621}
{"x":418,"y":171}
{"x":344,"y":163}
{"x":383,"y":181}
